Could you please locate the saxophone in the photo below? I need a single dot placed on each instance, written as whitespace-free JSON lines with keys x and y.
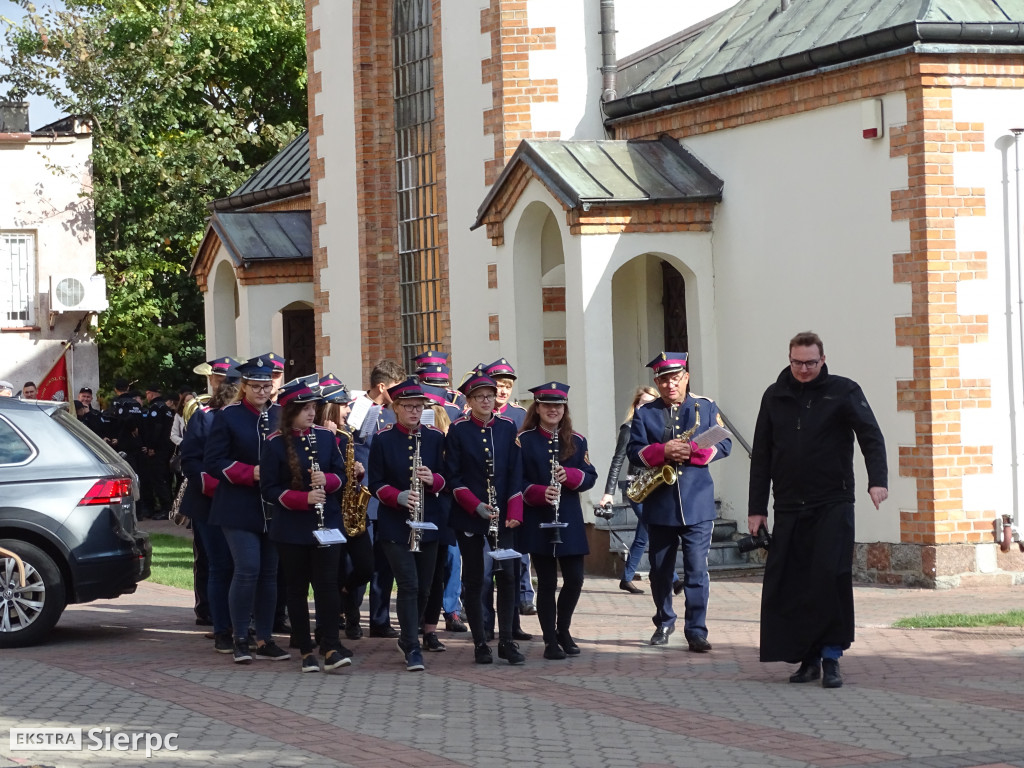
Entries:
{"x":647,"y":480}
{"x":416,"y":486}
{"x":354,"y":497}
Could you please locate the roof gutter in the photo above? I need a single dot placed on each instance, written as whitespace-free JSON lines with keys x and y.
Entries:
{"x":843,"y":51}
{"x":259,"y":197}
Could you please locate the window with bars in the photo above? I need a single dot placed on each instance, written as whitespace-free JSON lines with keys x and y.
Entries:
{"x":418,"y":254}
{"x":17,"y":279}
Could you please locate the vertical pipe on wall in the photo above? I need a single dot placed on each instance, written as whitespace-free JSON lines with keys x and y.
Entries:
{"x":1020,"y":320}
{"x":608,"y":67}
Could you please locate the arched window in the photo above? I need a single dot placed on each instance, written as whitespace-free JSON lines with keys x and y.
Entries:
{"x":418,"y":252}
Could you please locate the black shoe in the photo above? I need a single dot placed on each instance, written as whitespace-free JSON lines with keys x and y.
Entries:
{"x":270,"y":651}
{"x":809,"y":670}
{"x":241,"y":651}
{"x":452,"y":623}
{"x":527,"y":609}
{"x":677,"y":586}
{"x":553,"y":651}
{"x":628,"y":586}
{"x":830,"y":677}
{"x":660,"y":636}
{"x":432,"y":644}
{"x":509,"y":651}
{"x":489,"y":634}
{"x":204,"y":621}
{"x":223,"y":643}
{"x":518,"y":634}
{"x":383,"y":630}
{"x":482,"y":654}
{"x":698,"y":644}
{"x":568,"y":644}
{"x":282,"y":628}
{"x":335,"y":659}
{"x":353,"y":631}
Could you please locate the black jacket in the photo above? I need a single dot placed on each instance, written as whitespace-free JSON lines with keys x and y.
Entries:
{"x":803,"y":443}
{"x":618,"y":458}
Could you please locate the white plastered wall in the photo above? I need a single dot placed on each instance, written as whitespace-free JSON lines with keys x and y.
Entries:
{"x":803,"y":240}
{"x":337,"y":190}
{"x":998,"y":357}
{"x":42,"y":194}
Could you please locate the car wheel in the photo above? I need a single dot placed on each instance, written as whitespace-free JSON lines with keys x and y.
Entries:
{"x":27,"y":614}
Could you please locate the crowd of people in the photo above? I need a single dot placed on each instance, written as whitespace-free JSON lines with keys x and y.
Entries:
{"x":454,"y":495}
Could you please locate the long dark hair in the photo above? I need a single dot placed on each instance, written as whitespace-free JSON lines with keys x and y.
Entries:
{"x":566,"y":446}
{"x":288,"y":414}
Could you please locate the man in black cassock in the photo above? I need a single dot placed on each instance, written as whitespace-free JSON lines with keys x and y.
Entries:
{"x":803,"y":452}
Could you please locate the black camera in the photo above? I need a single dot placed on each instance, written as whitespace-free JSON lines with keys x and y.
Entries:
{"x":761,"y":540}
{"x":606,"y":512}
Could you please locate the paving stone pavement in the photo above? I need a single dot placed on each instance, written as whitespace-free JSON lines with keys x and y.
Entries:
{"x":936,"y":698}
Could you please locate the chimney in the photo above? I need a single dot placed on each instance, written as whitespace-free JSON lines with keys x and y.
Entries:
{"x":14,"y":117}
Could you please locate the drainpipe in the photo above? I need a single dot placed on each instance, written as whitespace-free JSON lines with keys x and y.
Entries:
{"x":608,"y":68}
{"x":1020,"y":318}
{"x":784,"y":6}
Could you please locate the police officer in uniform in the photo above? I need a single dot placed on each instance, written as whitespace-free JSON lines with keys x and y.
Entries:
{"x":682,"y":514}
{"x":155,"y":452}
{"x":556,"y":470}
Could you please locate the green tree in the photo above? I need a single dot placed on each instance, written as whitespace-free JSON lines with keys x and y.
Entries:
{"x":186,"y":98}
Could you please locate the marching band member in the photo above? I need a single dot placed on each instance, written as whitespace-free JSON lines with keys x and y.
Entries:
{"x":232,"y":456}
{"x":504,"y":376}
{"x":483,"y":455}
{"x":401,"y":454}
{"x":432,"y":368}
{"x":305,"y":498}
{"x":556,"y":469}
{"x":356,"y":566}
{"x":683,"y":513}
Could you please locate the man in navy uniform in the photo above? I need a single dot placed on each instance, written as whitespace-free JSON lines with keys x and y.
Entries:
{"x":432,"y":368}
{"x":681,"y":514}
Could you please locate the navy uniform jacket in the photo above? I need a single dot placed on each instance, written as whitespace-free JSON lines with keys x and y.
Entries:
{"x":201,"y":486}
{"x":580,"y":475}
{"x":692,"y":499}
{"x":232,"y":453}
{"x":362,"y":450}
{"x":456,"y":399}
{"x":390,"y":472}
{"x":294,"y":519}
{"x":468,"y":445}
{"x":155,"y":432}
{"x":514,"y":413}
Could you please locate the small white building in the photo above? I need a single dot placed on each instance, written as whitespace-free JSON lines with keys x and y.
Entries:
{"x":49,"y":290}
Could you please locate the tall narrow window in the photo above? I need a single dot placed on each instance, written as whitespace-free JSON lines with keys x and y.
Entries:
{"x":17,"y":279}
{"x":418,"y":253}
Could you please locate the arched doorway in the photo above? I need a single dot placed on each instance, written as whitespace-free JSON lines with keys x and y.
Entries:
{"x":225,"y":310}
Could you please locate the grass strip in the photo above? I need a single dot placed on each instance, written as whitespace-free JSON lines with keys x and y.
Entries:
{"x":172,"y":560}
{"x":945,"y":620}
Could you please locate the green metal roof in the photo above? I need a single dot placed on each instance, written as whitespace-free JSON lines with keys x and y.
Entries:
{"x":285,"y":175}
{"x":756,"y":41}
{"x":585,"y":173}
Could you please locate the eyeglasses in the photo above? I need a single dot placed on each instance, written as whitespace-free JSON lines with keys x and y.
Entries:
{"x":808,"y":364}
{"x":261,"y":387}
{"x":671,"y":378}
{"x":412,"y":408}
{"x":483,"y":398}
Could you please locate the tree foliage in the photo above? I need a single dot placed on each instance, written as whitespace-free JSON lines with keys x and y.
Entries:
{"x":187,"y":98}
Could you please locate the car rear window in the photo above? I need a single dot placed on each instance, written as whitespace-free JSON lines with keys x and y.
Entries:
{"x":14,"y":448}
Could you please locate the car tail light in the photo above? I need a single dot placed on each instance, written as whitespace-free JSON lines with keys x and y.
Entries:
{"x":109,"y":491}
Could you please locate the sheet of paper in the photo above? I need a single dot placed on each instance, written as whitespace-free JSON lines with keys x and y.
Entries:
{"x":422,"y":526}
{"x":358,"y":412}
{"x":329,"y":536}
{"x":712,"y":436}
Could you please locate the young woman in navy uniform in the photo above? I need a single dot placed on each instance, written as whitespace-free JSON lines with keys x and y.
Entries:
{"x":392,"y":458}
{"x":294,"y":488}
{"x":556,"y":469}
{"x":199,"y":490}
{"x":681,"y":515}
{"x":232,"y":456}
{"x":482,"y":449}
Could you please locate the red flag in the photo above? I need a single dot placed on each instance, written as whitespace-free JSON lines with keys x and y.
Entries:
{"x":54,"y":385}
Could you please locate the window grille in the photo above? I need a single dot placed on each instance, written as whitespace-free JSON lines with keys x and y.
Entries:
{"x":419,"y":259}
{"x":17,"y":279}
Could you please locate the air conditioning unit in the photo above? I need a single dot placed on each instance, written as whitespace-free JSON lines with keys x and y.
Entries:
{"x":78,"y":293}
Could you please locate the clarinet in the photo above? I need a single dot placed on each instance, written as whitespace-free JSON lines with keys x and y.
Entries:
{"x":416,"y":486}
{"x":492,"y":502}
{"x":314,"y":466}
{"x":556,"y":539}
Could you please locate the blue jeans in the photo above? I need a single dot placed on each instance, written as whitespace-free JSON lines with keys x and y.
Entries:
{"x":636,"y":549}
{"x":219,"y":568}
{"x":453,"y":587}
{"x":253,"y":590}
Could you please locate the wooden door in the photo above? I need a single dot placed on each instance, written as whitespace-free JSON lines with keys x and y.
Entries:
{"x":298,"y":330}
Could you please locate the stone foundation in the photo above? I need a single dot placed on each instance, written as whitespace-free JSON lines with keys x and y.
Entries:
{"x":943,"y":566}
